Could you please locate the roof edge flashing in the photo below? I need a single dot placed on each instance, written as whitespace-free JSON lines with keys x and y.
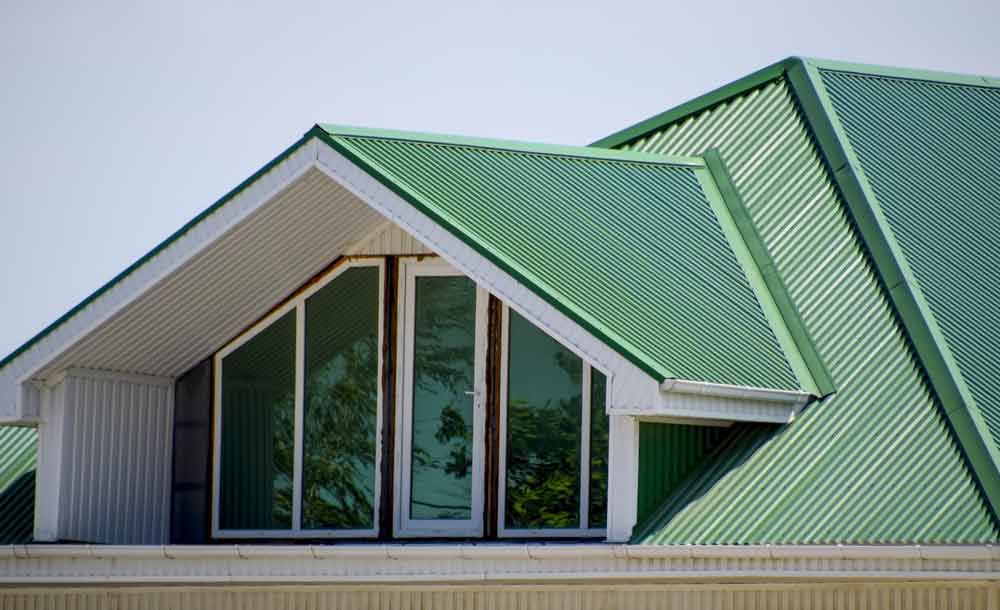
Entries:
{"x":702,"y":102}
{"x":781,"y":312}
{"x":514,"y":146}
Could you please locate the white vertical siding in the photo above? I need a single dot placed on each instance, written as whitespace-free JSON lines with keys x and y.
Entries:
{"x":390,"y":239}
{"x":105,"y":455}
{"x":836,"y":596}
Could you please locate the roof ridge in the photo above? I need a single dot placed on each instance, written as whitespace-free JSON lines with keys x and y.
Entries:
{"x":916,"y":74}
{"x":516,"y":146}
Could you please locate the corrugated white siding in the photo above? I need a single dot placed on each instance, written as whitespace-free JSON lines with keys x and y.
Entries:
{"x":390,"y":239}
{"x":105,"y":464}
{"x":837,"y":596}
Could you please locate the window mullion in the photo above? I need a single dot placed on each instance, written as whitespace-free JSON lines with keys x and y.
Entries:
{"x":300,"y":361}
{"x":585,"y":448}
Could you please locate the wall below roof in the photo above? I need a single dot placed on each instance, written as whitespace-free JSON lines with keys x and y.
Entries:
{"x":883,"y":595}
{"x":104,"y":459}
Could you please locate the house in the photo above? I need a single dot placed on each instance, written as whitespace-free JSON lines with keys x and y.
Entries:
{"x":741,"y":354}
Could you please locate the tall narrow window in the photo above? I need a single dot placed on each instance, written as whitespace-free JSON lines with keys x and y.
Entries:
{"x":297,"y":414}
{"x":341,"y":403}
{"x":551,"y":424}
{"x":440,"y":412}
{"x":258,"y":448}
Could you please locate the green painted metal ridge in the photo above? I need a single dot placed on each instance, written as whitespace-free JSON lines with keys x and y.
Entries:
{"x":904,"y":293}
{"x":784,"y":316}
{"x":156,"y":250}
{"x":933,"y":76}
{"x":386,"y":178}
{"x":698,"y":104}
{"x":516,"y":146}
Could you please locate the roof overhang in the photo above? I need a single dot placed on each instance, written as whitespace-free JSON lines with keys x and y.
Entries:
{"x":254,"y":247}
{"x":484,"y":564}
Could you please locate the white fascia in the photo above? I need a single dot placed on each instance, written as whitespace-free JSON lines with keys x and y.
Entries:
{"x":721,"y":404}
{"x":489,"y":563}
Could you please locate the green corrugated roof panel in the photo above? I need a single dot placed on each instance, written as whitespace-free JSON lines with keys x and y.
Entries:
{"x":930,"y":151}
{"x":626,"y":244}
{"x":18,"y":456}
{"x":668,"y":453}
{"x":876,"y":462}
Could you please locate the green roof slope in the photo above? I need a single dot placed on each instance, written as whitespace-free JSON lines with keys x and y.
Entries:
{"x":626,"y":244}
{"x":929,"y":148}
{"x":876,"y":462}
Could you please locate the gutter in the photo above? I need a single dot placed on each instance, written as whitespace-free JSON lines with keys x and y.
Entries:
{"x":721,"y":390}
{"x":541,"y":551}
{"x":490,"y":564}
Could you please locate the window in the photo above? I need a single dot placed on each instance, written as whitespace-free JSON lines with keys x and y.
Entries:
{"x":299,"y":412}
{"x":440,"y":419}
{"x":554,"y":437}
{"x":298,"y":417}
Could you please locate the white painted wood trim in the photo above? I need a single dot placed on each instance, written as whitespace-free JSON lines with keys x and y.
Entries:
{"x":702,"y":388}
{"x":623,"y":477}
{"x":403,"y":526}
{"x":296,"y":303}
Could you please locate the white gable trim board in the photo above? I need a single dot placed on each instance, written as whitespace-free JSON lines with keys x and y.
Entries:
{"x":633,"y":394}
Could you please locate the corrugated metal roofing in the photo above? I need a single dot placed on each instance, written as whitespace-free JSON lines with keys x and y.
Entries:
{"x":18,"y":456}
{"x":626,"y":244}
{"x":668,"y":453}
{"x":931,"y":153}
{"x":875,"y":462}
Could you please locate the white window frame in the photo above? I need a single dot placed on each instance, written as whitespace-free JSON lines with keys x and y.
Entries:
{"x":403,"y":526}
{"x":584,"y":531}
{"x":297,"y":303}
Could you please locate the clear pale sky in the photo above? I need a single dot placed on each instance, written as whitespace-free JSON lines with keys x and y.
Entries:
{"x":121,"y":122}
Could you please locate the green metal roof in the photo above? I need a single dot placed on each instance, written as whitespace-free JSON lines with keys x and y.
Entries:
{"x":928,"y":146}
{"x":877,"y":461}
{"x":627,"y":244}
{"x":18,"y":455}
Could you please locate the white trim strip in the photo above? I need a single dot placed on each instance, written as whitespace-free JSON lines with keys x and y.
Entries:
{"x":491,"y":550}
{"x":720,"y":390}
{"x":439,"y":563}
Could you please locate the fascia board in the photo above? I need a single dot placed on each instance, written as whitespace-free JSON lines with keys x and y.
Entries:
{"x":912,"y":310}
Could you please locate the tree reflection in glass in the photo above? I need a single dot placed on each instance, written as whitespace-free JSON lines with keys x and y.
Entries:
{"x":443,"y":375}
{"x":341,"y":402}
{"x":543,"y":430}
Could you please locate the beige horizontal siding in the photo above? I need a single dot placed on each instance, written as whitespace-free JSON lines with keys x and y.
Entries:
{"x":883,"y":596}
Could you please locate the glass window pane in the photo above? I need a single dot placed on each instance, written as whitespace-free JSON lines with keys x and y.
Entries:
{"x":598,"y":514}
{"x":543,"y":430}
{"x":340,"y":418}
{"x":443,"y":374}
{"x":258,"y":417}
